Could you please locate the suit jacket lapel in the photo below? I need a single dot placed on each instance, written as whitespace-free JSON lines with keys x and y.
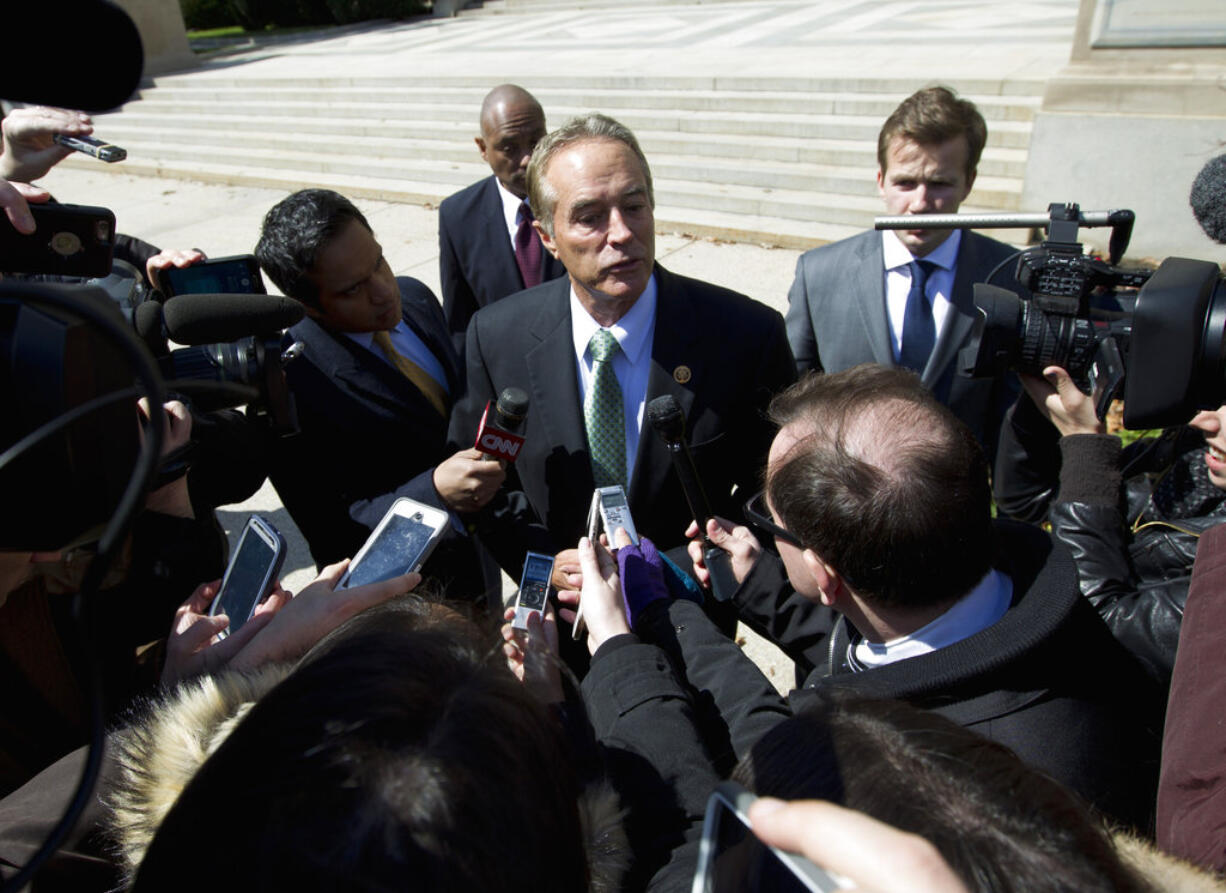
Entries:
{"x":493,"y":232}
{"x":958,"y":321}
{"x":415,"y":314}
{"x":869,"y":292}
{"x":673,"y":347}
{"x":552,"y":384}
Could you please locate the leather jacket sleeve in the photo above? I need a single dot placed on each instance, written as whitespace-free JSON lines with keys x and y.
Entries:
{"x":1088,"y":517}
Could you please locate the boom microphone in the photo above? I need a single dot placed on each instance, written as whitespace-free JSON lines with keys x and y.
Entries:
{"x":500,"y":438}
{"x":668,"y":419}
{"x":1208,"y":199}
{"x":204,"y":319}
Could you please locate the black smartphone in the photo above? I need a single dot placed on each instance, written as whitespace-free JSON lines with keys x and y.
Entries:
{"x":68,"y":240}
{"x":732,"y":860}
{"x":238,"y":275}
{"x":251,"y":574}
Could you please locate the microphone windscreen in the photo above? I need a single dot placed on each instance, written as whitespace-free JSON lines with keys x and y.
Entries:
{"x":1208,"y":199}
{"x":147,"y":320}
{"x":667,"y":417}
{"x":91,"y":59}
{"x":512,"y":407}
{"x":204,"y":319}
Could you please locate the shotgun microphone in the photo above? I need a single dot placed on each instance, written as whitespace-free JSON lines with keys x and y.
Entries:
{"x":668,"y":418}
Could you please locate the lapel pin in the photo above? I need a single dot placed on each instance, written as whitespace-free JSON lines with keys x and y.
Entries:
{"x":682,"y":374}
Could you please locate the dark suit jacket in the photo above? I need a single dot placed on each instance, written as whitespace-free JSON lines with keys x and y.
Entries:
{"x":475,"y":258}
{"x":837,"y":319}
{"x":732,"y":354}
{"x":366,"y":437}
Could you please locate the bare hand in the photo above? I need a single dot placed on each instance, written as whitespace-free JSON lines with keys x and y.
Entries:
{"x":182,"y":258}
{"x":604,"y":608}
{"x":29,"y":150}
{"x":316,"y":611}
{"x":1063,"y":403}
{"x":192,"y":648}
{"x":567,"y":573}
{"x":467,"y":481}
{"x":739,"y":542}
{"x":532,"y":655}
{"x":15,"y":198}
{"x":173,"y":498}
{"x":871,"y":853}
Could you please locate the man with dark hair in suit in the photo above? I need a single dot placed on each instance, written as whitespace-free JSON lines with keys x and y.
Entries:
{"x":373,"y":389}
{"x":487,"y":247}
{"x":593,"y":348}
{"x":905,"y":297}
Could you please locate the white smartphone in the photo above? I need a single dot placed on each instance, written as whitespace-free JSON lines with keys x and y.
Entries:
{"x":731,"y":859}
{"x":251,"y":573}
{"x":533,"y":588}
{"x":609,"y":510}
{"x":400,"y":544}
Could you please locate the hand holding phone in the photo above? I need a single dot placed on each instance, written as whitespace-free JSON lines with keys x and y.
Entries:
{"x":238,"y":274}
{"x":251,"y":574}
{"x":732,"y":860}
{"x":533,"y":588}
{"x":610,"y":509}
{"x":401,"y":543}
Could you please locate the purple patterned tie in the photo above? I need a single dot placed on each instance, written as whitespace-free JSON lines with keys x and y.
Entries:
{"x":527,"y":248}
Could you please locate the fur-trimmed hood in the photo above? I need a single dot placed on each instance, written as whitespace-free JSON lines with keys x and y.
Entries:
{"x":160,"y":752}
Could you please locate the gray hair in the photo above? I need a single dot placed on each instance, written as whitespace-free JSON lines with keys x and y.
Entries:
{"x":593,"y":126}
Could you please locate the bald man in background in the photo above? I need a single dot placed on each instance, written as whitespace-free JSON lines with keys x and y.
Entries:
{"x":488,"y":248}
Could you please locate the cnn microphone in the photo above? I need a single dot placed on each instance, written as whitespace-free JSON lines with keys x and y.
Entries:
{"x":498,"y":438}
{"x":668,"y":419}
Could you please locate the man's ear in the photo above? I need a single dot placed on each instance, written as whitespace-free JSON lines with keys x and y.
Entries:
{"x":547,"y":240}
{"x":829,"y":584}
{"x":481,"y":147}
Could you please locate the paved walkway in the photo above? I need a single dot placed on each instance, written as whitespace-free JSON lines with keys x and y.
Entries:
{"x":990,"y":39}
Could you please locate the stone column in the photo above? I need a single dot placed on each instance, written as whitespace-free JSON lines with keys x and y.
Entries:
{"x":160,"y":23}
{"x":1133,"y":117}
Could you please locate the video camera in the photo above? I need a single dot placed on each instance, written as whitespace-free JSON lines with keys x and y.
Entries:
{"x":1167,"y":353}
{"x":69,"y":435}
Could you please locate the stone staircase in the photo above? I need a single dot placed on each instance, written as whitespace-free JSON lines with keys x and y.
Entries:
{"x":773,"y":160}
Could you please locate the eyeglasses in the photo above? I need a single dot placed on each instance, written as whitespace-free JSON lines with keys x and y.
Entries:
{"x":757,"y":513}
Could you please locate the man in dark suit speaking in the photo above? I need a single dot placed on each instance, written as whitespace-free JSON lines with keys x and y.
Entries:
{"x":373,"y":390}
{"x":487,"y":246}
{"x":905,"y":297}
{"x":593,"y":348}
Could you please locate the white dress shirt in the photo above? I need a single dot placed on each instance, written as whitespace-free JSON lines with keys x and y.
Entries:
{"x":510,"y":211}
{"x":634,"y":333}
{"x":973,"y":613}
{"x":898,"y":281}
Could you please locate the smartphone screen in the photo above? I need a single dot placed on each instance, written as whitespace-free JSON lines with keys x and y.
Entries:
{"x":733,"y":860}
{"x":246,"y":580}
{"x":230,"y":275}
{"x":397,"y":550}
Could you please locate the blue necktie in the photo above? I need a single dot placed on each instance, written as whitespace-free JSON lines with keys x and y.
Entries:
{"x":919,"y":330}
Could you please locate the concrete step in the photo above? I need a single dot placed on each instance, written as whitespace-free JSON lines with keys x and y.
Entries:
{"x":765,"y":159}
{"x":458,"y":102}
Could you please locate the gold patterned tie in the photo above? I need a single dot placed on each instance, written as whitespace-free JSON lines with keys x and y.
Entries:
{"x":422,"y":380}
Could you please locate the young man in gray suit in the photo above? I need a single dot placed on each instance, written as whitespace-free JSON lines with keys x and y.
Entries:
{"x":905,"y":297}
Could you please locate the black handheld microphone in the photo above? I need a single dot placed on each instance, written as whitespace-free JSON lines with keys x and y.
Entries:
{"x":668,"y":419}
{"x":204,"y":319}
{"x":498,"y":438}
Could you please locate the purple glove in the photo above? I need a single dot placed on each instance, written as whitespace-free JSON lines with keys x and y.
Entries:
{"x":641,"y":571}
